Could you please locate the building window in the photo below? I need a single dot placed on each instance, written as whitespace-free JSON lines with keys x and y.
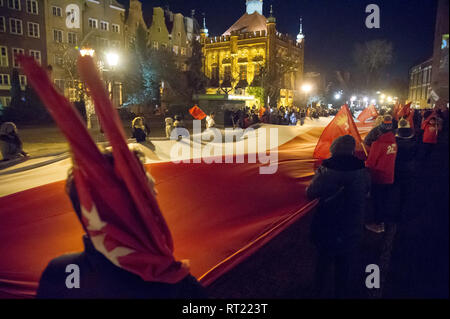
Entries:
{"x":93,"y":23}
{"x":57,"y":11}
{"x":104,"y":26}
{"x":183,"y":51}
{"x":59,"y":83}
{"x":175,"y":49}
{"x":115,"y":44}
{"x":103,"y":43}
{"x":15,"y":26}
{"x":3,"y":56}
{"x":23,"y":81}
{"x":4,"y":80}
{"x":14,"y":4}
{"x":32,"y":6}
{"x":33,"y":30}
{"x":5,"y":100}
{"x":155,"y":45}
{"x":36,"y":55}
{"x":57,"y":36}
{"x":2,"y":24}
{"x":115,"y":28}
{"x":15,"y":52}
{"x":58,"y":60}
{"x":72,"y":38}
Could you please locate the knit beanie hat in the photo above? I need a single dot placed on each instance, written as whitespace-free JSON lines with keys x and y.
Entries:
{"x":344,"y":145}
{"x":387,"y":123}
{"x":404,"y":124}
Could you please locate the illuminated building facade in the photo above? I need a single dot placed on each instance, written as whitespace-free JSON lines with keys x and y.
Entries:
{"x":234,"y":60}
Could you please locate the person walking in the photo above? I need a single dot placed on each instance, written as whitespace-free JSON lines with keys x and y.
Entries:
{"x":210,"y":120}
{"x":405,"y":171}
{"x":381,"y":164}
{"x":139,"y":130}
{"x":11,"y":145}
{"x":341,"y":184}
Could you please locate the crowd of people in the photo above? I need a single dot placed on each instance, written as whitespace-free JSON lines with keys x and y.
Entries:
{"x":348,"y":188}
{"x":284,"y":115}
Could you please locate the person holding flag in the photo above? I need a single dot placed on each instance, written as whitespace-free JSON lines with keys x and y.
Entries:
{"x":341,"y":184}
{"x":381,"y":164}
{"x":128,"y":245}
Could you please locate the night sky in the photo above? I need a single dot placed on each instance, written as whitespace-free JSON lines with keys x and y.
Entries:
{"x":332,"y":27}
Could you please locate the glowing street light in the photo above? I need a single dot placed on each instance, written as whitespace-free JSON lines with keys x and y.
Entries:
{"x":373,"y":101}
{"x":306,"y":88}
{"x":383,"y":96}
{"x":353,"y":99}
{"x":389,"y":99}
{"x":112,"y":58}
{"x":366,"y":99}
{"x":337,"y":96}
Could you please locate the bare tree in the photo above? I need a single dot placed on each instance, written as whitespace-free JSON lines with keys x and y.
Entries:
{"x":371,"y":58}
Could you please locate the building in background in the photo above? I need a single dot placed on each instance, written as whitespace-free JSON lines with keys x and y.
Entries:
{"x":22,"y":31}
{"x":234,"y":61}
{"x":72,"y":25}
{"x":439,"y":82}
{"x":420,"y":83}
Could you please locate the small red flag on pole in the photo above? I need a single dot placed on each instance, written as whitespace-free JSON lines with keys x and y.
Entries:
{"x":197,"y":113}
{"x":341,"y":125}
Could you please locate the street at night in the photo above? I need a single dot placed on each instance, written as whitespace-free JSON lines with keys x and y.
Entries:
{"x":230,"y":157}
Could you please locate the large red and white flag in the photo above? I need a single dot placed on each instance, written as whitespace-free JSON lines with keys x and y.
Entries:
{"x":404,"y":111}
{"x":341,"y":125}
{"x":119,"y":209}
{"x":369,"y":112}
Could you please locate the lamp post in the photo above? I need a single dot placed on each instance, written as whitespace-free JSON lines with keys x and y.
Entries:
{"x":90,"y":110}
{"x":306,"y":88}
{"x":112,"y":59}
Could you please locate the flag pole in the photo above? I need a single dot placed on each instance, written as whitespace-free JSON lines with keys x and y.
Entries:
{"x":364,"y":148}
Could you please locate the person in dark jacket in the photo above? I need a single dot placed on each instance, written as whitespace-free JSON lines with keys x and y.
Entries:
{"x":139,"y":129}
{"x":405,"y":168}
{"x":100,"y":278}
{"x":11,"y":145}
{"x":341,"y":184}
{"x":384,"y":127}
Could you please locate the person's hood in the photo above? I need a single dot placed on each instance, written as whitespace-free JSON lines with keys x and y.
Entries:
{"x":405,"y":133}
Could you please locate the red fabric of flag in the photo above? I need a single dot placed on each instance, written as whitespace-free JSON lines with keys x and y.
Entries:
{"x":197,"y":113}
{"x":262,"y":110}
{"x":369,"y":112}
{"x":119,"y":209}
{"x":342,"y":124}
{"x":404,"y":111}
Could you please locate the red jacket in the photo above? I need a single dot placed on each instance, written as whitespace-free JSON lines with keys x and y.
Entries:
{"x":430,"y":131}
{"x":381,"y":160}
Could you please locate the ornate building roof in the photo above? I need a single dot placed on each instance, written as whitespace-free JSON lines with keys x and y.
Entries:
{"x":249,"y":23}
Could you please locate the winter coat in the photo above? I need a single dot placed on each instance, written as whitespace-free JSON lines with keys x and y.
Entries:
{"x":99,"y":278}
{"x":381,"y":160}
{"x":139,"y":134}
{"x":341,"y":184}
{"x":406,"y":153}
{"x":430,"y":133}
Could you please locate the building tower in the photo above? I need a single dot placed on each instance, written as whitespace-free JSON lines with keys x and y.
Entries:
{"x":254,"y":6}
{"x":204,"y":31}
{"x":300,"y":36}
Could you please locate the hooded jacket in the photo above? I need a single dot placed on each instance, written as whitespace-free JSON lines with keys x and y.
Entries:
{"x":381,"y":160}
{"x":341,"y":184}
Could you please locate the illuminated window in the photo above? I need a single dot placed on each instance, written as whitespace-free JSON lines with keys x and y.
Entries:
{"x":23,"y":81}
{"x":104,"y":26}
{"x":4,"y":56}
{"x":4,"y":80}
{"x":243,"y":72}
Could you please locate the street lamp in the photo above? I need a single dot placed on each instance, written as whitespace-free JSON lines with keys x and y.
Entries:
{"x":337,"y":96}
{"x":112,"y":59}
{"x":306,"y":88}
